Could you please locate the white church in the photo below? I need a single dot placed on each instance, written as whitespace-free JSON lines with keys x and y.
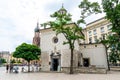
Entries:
{"x":56,"y":57}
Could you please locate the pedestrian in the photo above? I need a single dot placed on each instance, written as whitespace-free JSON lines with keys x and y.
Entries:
{"x":11,"y":68}
{"x":37,"y":68}
{"x":22,"y":69}
{"x":33,"y":68}
{"x":7,"y":68}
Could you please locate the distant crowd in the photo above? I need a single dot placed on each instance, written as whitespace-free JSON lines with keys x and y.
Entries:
{"x":10,"y":68}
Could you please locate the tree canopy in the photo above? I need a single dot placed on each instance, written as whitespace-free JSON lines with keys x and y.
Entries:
{"x":2,"y":60}
{"x":112,"y":10}
{"x":28,"y":52}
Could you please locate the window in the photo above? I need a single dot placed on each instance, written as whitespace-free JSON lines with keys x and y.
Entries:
{"x":55,"y":39}
{"x":103,"y":36}
{"x":109,"y":27}
{"x":94,"y":32}
{"x":95,"y":39}
{"x":102,"y":29}
{"x":90,"y":33}
{"x":90,"y":40}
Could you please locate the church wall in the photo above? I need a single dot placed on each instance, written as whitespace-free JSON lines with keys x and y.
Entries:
{"x":47,"y":43}
{"x":45,"y":61}
{"x":48,"y":47}
{"x":66,"y":57}
{"x":96,"y":54}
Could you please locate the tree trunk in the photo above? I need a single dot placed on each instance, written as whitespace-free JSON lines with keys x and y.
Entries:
{"x":107,"y":57}
{"x":71,"y":62}
{"x":28,"y":66}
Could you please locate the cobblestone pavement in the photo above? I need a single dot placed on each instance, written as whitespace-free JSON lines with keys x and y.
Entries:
{"x":57,"y":76}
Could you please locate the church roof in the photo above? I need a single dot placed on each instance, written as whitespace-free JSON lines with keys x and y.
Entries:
{"x":37,"y":28}
{"x":62,"y":10}
{"x":70,"y":23}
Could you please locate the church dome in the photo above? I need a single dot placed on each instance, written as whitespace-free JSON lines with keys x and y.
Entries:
{"x":62,"y":10}
{"x":37,"y":28}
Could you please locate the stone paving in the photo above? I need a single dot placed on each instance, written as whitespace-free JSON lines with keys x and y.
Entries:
{"x":57,"y":76}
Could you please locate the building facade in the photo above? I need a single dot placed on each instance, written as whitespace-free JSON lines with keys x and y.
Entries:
{"x":56,"y":57}
{"x":5,"y":55}
{"x":97,"y":30}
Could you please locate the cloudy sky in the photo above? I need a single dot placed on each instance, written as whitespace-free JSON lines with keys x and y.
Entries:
{"x":18,"y":18}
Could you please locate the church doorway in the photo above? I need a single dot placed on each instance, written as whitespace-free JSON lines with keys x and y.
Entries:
{"x":55,"y":64}
{"x":86,"y":62}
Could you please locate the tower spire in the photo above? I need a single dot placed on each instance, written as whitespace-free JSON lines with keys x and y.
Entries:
{"x":37,"y":24}
{"x":37,"y":27}
{"x":36,"y":38}
{"x":62,"y":5}
{"x":62,"y":10}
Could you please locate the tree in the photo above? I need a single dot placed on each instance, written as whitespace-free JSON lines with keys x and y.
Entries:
{"x":113,"y":57}
{"x":108,"y":42}
{"x":18,"y":61}
{"x":12,"y":61}
{"x":70,"y":33}
{"x":87,"y":8}
{"x":2,"y":60}
{"x":112,"y":10}
{"x":28,"y":52}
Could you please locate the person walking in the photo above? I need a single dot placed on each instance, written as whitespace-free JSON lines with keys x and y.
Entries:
{"x":11,"y":68}
{"x":7,"y":68}
{"x":22,"y":69}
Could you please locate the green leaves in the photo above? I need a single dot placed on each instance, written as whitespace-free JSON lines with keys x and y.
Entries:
{"x":88,"y":8}
{"x":27,"y":51}
{"x":112,"y":43}
{"x":81,"y":21}
{"x":62,"y":25}
{"x":112,"y":10}
{"x":2,"y":60}
{"x":54,"y":15}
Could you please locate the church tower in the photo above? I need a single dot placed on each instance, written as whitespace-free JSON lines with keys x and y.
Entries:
{"x":36,"y":38}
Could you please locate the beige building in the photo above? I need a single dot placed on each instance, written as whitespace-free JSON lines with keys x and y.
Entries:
{"x":5,"y":55}
{"x":97,"y":30}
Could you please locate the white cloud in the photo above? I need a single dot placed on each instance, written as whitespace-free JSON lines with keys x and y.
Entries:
{"x":18,"y":18}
